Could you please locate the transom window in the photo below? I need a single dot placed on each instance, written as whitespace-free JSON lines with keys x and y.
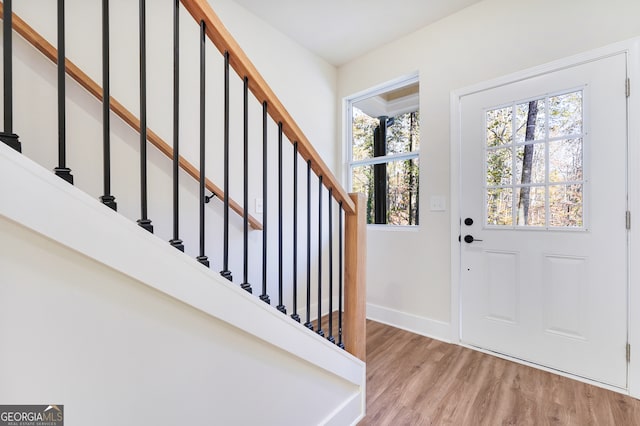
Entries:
{"x":534,"y":163}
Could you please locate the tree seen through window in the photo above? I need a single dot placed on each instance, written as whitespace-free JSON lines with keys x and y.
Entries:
{"x":385,"y":166}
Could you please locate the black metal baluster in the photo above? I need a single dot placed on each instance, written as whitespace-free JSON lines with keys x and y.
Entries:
{"x":144,"y":221}
{"x":107,"y":199}
{"x":340,"y":276}
{"x":176,"y":241}
{"x":264,"y":296}
{"x":245,"y":217}
{"x":308,"y":323}
{"x":295,"y":315}
{"x":62,"y":170}
{"x":319,"y":331}
{"x":330,"y":337}
{"x":225,"y":249}
{"x":202,"y":258}
{"x":280,"y":306}
{"x":7,"y":136}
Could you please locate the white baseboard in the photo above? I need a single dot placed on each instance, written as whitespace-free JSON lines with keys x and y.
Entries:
{"x":428,"y":327}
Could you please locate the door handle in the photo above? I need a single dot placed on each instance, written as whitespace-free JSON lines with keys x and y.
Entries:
{"x":469,"y":239}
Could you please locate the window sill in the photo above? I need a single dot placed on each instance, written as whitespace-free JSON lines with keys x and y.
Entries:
{"x":393,"y":228}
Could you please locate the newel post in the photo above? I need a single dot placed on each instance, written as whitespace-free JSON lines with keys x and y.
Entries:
{"x":355,"y":279}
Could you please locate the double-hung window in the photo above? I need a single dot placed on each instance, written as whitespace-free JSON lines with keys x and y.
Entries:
{"x":384,"y":153}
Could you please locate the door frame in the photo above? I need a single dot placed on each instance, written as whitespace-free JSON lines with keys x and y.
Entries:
{"x":632,"y":50}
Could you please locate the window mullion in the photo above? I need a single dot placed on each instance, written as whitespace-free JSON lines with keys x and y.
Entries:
{"x":547,"y":200}
{"x":386,"y":159}
{"x":514,"y":194}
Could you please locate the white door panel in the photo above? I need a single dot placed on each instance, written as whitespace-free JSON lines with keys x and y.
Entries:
{"x":552,"y":291}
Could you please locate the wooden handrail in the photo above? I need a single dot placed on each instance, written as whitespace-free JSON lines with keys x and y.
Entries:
{"x":354,"y":205}
{"x":224,"y":41}
{"x":47,"y":49}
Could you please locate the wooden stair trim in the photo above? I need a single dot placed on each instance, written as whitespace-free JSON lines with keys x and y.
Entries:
{"x":47,"y":49}
{"x":355,"y":285}
{"x":200,"y":10}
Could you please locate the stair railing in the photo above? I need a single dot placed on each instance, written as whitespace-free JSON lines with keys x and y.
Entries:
{"x":350,"y":213}
{"x":7,"y":136}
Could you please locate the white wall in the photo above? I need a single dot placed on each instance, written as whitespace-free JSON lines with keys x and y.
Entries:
{"x":305,"y":84}
{"x":409,"y":279}
{"x":99,"y":342}
{"x":99,"y":315}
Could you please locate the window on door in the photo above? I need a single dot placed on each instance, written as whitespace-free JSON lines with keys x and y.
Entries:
{"x":384,"y":153}
{"x":534,"y":163}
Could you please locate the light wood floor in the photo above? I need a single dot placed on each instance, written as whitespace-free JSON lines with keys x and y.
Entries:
{"x":414,"y":380}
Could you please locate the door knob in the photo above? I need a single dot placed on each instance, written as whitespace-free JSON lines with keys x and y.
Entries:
{"x":468,"y":221}
{"x":469,"y":239}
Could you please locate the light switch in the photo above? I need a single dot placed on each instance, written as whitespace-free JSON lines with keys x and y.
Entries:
{"x":438,"y":203}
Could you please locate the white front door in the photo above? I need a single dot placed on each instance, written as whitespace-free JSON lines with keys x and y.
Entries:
{"x":543,"y":205}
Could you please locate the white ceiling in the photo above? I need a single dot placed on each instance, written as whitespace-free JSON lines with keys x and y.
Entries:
{"x":341,"y":30}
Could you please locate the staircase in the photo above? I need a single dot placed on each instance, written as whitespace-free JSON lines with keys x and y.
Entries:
{"x":145,"y":285}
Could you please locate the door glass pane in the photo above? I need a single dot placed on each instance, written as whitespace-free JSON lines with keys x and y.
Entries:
{"x":499,"y":127}
{"x":530,"y":164}
{"x":565,"y":114}
{"x":530,"y":120}
{"x":530,"y":209}
{"x":546,"y":177}
{"x":499,"y":165}
{"x":565,"y":160}
{"x":565,"y":205}
{"x":499,"y":206}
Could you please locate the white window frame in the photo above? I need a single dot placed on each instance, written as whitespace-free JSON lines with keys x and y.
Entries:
{"x":348,"y":138}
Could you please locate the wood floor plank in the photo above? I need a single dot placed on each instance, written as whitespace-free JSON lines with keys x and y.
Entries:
{"x":414,"y":380}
